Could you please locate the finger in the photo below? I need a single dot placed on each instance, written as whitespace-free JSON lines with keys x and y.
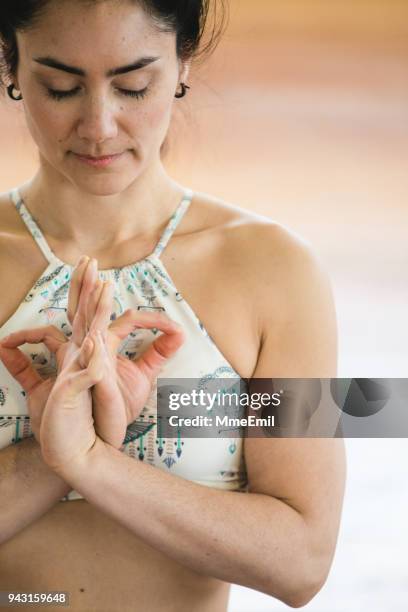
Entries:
{"x":163,"y":347}
{"x":85,"y":353}
{"x":75,"y":287}
{"x":80,"y":322}
{"x":20,"y":367}
{"x":49,"y":335}
{"x":89,"y":281}
{"x":93,"y":301}
{"x":107,"y":389}
{"x":137,"y":319}
{"x":102,"y":314}
{"x":87,"y":350}
{"x":91,"y":351}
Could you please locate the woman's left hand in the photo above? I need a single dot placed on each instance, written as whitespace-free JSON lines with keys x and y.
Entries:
{"x":67,"y":433}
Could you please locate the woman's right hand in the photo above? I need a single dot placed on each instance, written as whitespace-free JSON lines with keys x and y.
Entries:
{"x":36,"y":388}
{"x":86,"y":295}
{"x":126,"y":385}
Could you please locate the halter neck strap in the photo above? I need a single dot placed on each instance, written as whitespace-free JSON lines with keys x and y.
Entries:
{"x":174,"y":222}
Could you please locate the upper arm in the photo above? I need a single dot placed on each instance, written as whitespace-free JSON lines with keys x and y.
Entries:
{"x":299,"y":340}
{"x":295,"y":310}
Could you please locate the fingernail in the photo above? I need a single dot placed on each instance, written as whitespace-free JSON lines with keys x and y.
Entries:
{"x":92,"y":269}
{"x":82,"y":260}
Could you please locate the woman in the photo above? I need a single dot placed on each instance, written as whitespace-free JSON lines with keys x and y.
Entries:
{"x":98,"y":81}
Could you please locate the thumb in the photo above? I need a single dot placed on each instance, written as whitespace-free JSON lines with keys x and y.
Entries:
{"x":85,"y":353}
{"x":92,"y":369}
{"x":20,"y":367}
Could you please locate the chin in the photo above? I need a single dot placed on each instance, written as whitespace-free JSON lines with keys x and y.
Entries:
{"x":104,"y":185}
{"x":104,"y":181}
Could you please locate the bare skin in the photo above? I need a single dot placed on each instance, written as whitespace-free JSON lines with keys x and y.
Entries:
{"x":240,"y":242}
{"x":71,"y":522}
{"x":256,"y":288}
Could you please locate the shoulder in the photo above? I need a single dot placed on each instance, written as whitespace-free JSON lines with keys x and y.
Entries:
{"x":276,"y":258}
{"x":16,"y":245}
{"x":10,"y":221}
{"x":8,"y":228}
{"x":245,"y":227}
{"x":287,"y":290}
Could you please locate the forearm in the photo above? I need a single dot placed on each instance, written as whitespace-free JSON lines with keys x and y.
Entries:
{"x":28,"y":487}
{"x":249,"y":539}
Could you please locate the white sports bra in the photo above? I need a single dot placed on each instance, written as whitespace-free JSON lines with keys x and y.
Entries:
{"x":144,"y":285}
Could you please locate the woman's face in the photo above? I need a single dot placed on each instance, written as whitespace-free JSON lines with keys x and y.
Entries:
{"x":93,"y":104}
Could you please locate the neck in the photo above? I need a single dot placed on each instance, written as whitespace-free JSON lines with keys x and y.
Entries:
{"x":68,"y":215}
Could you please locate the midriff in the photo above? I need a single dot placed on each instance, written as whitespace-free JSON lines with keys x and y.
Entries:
{"x":105,"y":568}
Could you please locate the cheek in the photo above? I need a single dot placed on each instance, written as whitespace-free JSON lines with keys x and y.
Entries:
{"x":155,"y":117}
{"x":46,"y":124}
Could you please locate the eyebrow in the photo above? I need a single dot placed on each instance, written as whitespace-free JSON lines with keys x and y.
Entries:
{"x":137,"y":65}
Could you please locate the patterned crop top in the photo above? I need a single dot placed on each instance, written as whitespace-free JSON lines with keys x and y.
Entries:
{"x":144,"y":285}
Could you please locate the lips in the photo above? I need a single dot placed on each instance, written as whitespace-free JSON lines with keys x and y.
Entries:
{"x":98,"y":162}
{"x":101,"y":157}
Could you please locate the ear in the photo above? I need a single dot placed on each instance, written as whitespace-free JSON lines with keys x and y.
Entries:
{"x":184,"y":71}
{"x":14,"y":80}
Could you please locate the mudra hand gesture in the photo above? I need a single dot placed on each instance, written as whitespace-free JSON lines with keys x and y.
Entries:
{"x":122,"y":386}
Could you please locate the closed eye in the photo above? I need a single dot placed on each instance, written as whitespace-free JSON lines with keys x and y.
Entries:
{"x":59,"y":94}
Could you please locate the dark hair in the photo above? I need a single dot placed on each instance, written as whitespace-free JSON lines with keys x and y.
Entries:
{"x":186,"y":18}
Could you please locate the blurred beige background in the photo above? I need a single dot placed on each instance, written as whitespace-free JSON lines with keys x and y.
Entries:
{"x":302,"y":115}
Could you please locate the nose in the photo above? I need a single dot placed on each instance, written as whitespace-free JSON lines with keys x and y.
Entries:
{"x":97,"y":121}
